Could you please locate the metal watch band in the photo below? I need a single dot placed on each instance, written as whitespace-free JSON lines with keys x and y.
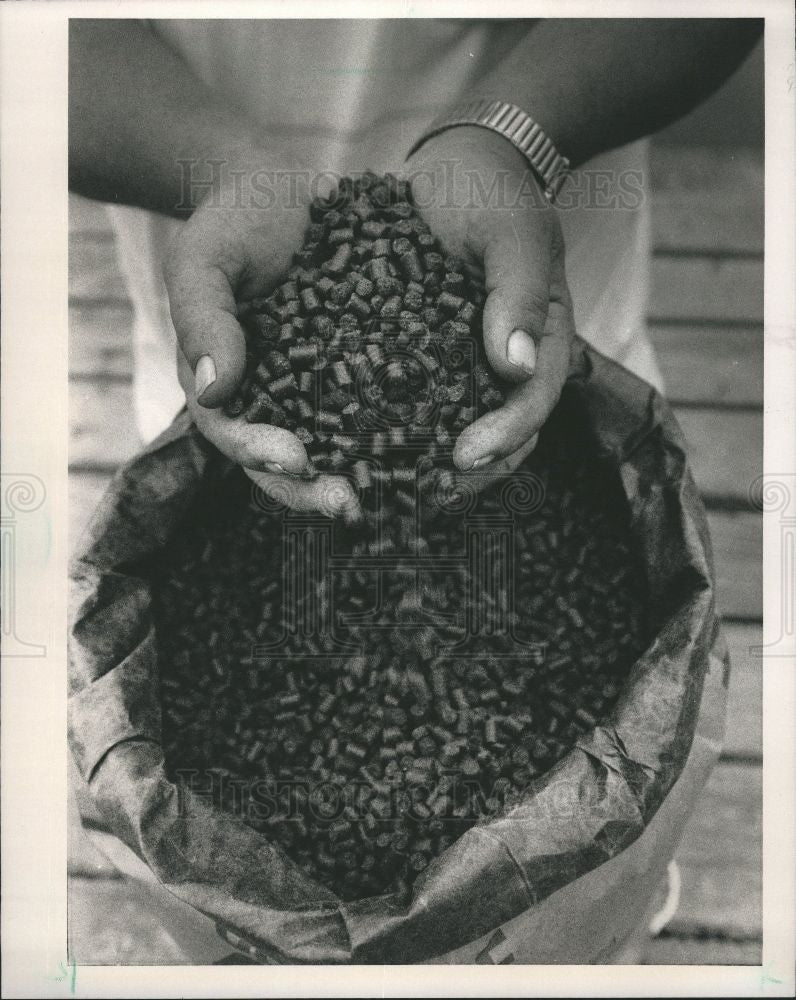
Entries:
{"x":515,"y":125}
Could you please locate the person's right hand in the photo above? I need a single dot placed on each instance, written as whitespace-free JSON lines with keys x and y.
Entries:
{"x":236,"y":246}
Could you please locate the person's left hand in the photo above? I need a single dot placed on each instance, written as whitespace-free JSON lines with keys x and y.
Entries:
{"x":478,"y":195}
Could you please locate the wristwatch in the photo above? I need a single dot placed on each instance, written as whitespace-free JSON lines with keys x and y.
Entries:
{"x":515,"y":125}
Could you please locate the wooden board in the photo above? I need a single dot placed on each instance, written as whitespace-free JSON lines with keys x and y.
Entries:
{"x":707,"y":200}
{"x":702,"y":223}
{"x":710,"y":365}
{"x":711,"y":289}
{"x":744,"y":734}
{"x":725,"y":451}
{"x":100,"y":341}
{"x":693,"y":169}
{"x":88,"y":217}
{"x":103,"y":431}
{"x":737,"y":548}
{"x":671,"y":949}
{"x":94,"y":269}
{"x":720,"y":856}
{"x":736,"y":173}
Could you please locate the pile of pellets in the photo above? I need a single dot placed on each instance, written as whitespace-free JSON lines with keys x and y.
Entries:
{"x":369,"y":351}
{"x":364,"y":692}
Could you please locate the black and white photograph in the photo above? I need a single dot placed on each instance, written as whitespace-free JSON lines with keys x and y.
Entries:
{"x":414,"y":547}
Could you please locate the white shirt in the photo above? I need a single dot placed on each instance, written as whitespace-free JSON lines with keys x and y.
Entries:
{"x":346,"y":95}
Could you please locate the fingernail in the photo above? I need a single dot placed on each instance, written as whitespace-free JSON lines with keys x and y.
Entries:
{"x":521,"y":351}
{"x":205,"y":374}
{"x":274,"y":467}
{"x":479,"y":463}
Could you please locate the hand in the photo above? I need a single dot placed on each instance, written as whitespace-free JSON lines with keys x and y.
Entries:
{"x":478,"y":195}
{"x":236,"y":246}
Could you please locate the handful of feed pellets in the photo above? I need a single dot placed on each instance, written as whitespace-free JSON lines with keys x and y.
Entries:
{"x":371,"y":344}
{"x":363,"y":693}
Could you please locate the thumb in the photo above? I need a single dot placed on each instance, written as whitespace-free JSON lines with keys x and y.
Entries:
{"x":517,"y":267}
{"x":203,"y":311}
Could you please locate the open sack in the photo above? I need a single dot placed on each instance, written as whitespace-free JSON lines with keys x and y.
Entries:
{"x":562,"y":877}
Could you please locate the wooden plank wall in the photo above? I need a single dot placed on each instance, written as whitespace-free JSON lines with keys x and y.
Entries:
{"x":705,"y":314}
{"x":705,"y":317}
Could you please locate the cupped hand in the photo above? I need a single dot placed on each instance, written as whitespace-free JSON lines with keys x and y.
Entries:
{"x":236,"y":246}
{"x":478,"y":195}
